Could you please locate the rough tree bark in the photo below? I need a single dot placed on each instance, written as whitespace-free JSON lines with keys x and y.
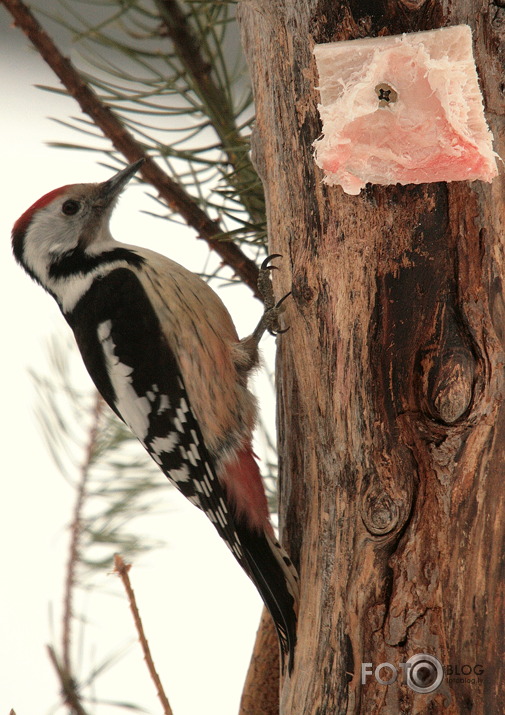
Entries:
{"x":391,"y":382}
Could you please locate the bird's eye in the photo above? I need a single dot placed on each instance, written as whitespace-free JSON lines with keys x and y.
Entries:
{"x":70,"y":207}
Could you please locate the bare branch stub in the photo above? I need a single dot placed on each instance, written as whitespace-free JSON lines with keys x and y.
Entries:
{"x":122,"y":570}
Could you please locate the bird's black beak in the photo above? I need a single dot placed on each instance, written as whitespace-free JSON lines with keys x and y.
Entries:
{"x":110,"y":189}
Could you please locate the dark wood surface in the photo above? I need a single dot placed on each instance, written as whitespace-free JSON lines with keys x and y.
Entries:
{"x":390,"y":381}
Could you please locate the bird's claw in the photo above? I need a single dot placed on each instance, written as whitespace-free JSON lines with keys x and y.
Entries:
{"x":272,"y":316}
{"x":266,"y":267}
{"x":265,"y":287}
{"x":273,"y":310}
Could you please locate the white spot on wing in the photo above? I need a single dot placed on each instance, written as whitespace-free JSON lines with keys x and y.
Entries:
{"x":193,"y":454}
{"x":206,"y":482}
{"x":164,"y":445}
{"x":221,"y":517}
{"x":180,"y":475}
{"x":164,"y":404}
{"x":181,"y":415}
{"x":134,"y":409}
{"x":235,"y":547}
{"x":190,"y":455}
{"x":205,"y":489}
{"x":104,"y":330}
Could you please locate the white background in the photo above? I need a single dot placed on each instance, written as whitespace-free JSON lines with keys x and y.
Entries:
{"x":199,"y":610}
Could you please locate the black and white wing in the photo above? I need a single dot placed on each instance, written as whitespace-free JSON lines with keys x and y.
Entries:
{"x":126,"y":353}
{"x":127,"y":356}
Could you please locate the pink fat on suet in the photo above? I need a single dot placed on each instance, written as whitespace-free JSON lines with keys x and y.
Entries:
{"x":428,"y":126}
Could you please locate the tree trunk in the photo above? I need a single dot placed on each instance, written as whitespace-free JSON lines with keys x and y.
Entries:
{"x":391,"y":384}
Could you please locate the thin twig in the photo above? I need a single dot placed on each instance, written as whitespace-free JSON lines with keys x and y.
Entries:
{"x":105,"y":119}
{"x":76,"y":531}
{"x":68,"y":687}
{"x":122,"y":571}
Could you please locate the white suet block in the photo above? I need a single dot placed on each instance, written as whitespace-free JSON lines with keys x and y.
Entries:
{"x":402,"y":109}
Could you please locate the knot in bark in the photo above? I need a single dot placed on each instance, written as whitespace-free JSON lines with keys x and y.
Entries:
{"x":449,"y":367}
{"x":450,"y":385}
{"x":380,"y":513}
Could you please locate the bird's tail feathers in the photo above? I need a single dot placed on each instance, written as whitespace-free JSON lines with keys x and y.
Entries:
{"x":275,"y":577}
{"x":287,"y":567}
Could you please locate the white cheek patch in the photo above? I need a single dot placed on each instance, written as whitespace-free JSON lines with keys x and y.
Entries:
{"x":40,"y":244}
{"x":135,"y":410}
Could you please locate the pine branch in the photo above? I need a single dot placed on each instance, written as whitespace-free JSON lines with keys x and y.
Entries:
{"x":218,"y":107}
{"x":76,"y":532}
{"x":69,"y":689}
{"x":107,"y":121}
{"x":111,"y":490}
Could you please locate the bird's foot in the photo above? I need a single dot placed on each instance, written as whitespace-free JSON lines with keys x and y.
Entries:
{"x":273,"y":310}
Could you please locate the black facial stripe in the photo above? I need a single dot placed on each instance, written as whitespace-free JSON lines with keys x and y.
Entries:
{"x":77,"y":261}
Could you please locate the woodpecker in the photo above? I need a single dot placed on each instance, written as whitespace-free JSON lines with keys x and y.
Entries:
{"x":164,"y":354}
